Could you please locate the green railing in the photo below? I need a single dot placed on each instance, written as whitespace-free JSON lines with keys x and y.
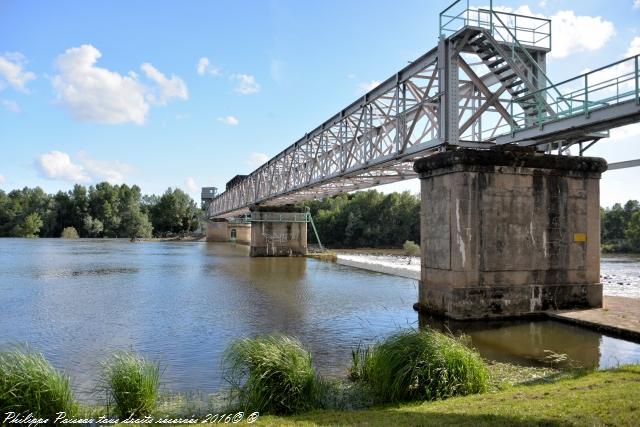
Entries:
{"x":280,"y":216}
{"x":527,"y":30}
{"x":612,"y":84}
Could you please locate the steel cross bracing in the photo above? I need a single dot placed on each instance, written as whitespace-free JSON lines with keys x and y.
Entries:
{"x":484,"y":84}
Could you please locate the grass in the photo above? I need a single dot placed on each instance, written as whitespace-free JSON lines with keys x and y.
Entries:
{"x":131,"y":383}
{"x":28,"y":383}
{"x":610,"y":397}
{"x":420,"y":365}
{"x":272,"y":374}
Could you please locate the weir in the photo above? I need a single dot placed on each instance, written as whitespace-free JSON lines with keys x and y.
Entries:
{"x":510,"y":221}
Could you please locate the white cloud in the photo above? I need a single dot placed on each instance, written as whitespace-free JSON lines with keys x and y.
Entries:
{"x":96,"y":94}
{"x":57,"y":165}
{"x":634,"y":47}
{"x":366,"y":87}
{"x":246,"y":84}
{"x":204,"y":67}
{"x":636,"y":4}
{"x":12,"y":71}
{"x":574,"y":34}
{"x":191,"y":184}
{"x":257,"y":159}
{"x":2,"y":180}
{"x":113,"y":172}
{"x":229,"y":120}
{"x":10,"y":105}
{"x":571,"y":33}
{"x":168,"y":88}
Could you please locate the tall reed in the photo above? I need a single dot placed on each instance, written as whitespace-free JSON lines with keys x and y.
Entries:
{"x":131,"y":383}
{"x":29,"y":384}
{"x":272,"y":374}
{"x":420,"y":365}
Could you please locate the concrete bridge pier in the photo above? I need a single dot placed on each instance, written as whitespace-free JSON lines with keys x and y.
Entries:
{"x":222,"y":230}
{"x":508,"y":233}
{"x":278,"y":231}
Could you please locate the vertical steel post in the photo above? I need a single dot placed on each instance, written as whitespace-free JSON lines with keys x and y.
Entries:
{"x":586,"y":95}
{"x":637,"y":81}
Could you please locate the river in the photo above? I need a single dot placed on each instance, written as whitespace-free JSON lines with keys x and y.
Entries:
{"x":77,"y":301}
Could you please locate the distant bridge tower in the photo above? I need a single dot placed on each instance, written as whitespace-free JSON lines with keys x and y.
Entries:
{"x":207,"y":195}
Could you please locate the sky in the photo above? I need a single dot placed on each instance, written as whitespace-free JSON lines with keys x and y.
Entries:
{"x":188,"y":94}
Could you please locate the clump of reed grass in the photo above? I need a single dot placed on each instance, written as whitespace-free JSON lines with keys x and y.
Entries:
{"x":131,"y":383}
{"x":29,"y":384}
{"x":272,"y":374}
{"x":420,"y":365}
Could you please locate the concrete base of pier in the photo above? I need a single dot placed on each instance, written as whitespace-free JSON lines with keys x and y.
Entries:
{"x":278,"y":232}
{"x":225,"y":231}
{"x":508,"y":233}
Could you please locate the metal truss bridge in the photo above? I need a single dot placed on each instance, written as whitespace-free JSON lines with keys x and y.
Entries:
{"x":485,"y":84}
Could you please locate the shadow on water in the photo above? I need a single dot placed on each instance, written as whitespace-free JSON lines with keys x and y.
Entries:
{"x":530,"y":342}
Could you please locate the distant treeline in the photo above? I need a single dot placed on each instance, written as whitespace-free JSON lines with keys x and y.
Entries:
{"x":367,"y":219}
{"x":375,"y":220}
{"x":620,"y":227}
{"x":103,"y":210}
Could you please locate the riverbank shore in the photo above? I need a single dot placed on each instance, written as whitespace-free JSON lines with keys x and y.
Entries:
{"x":607,"y":397}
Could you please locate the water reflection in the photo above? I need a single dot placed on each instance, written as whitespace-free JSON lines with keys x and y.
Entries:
{"x":532,"y":342}
{"x":78,"y":301}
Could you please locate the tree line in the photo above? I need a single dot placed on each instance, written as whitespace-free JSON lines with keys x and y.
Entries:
{"x":367,"y":219}
{"x":375,"y":220}
{"x":620,"y":227}
{"x":103,"y":210}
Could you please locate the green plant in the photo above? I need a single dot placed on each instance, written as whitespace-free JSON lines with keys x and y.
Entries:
{"x":29,"y":384}
{"x":422,"y":365}
{"x":69,"y":233}
{"x":272,"y":374}
{"x":131,"y":383}
{"x":411,"y":248}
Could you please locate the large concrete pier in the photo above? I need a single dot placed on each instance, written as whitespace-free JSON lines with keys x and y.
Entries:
{"x":509,"y":233}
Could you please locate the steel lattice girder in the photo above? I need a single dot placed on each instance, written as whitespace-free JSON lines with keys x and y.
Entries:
{"x":371,"y":142}
{"x":440,"y":99}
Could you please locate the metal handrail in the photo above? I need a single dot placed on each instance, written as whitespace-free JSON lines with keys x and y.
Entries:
{"x":626,"y":85}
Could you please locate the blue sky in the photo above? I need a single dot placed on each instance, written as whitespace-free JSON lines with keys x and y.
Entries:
{"x":191,"y":93}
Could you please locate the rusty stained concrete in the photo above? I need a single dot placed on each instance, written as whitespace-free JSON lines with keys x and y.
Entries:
{"x":508,"y":234}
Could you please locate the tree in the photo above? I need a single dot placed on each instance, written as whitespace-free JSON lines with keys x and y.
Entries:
{"x":632,"y":233}
{"x":31,"y":226}
{"x":174,"y":213}
{"x":92,"y":226}
{"x":69,"y":233}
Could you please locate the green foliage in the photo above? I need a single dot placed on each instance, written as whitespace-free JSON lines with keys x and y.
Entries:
{"x":272,"y":374}
{"x":411,"y":248}
{"x":173,"y":212}
{"x":620,"y":227}
{"x":367,"y":219}
{"x":29,"y":384}
{"x":105,"y":210}
{"x":131,"y":383}
{"x":422,"y":365}
{"x":69,"y":233}
{"x":31,"y":225}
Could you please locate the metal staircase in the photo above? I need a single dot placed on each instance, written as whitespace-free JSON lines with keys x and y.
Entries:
{"x":513,"y":72}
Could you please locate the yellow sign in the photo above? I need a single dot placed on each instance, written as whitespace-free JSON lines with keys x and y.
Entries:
{"x":579,"y":237}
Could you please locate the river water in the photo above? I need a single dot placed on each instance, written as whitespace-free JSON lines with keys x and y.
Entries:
{"x":183,"y":303}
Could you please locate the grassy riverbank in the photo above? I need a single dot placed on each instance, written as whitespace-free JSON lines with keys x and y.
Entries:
{"x":610,"y":397}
